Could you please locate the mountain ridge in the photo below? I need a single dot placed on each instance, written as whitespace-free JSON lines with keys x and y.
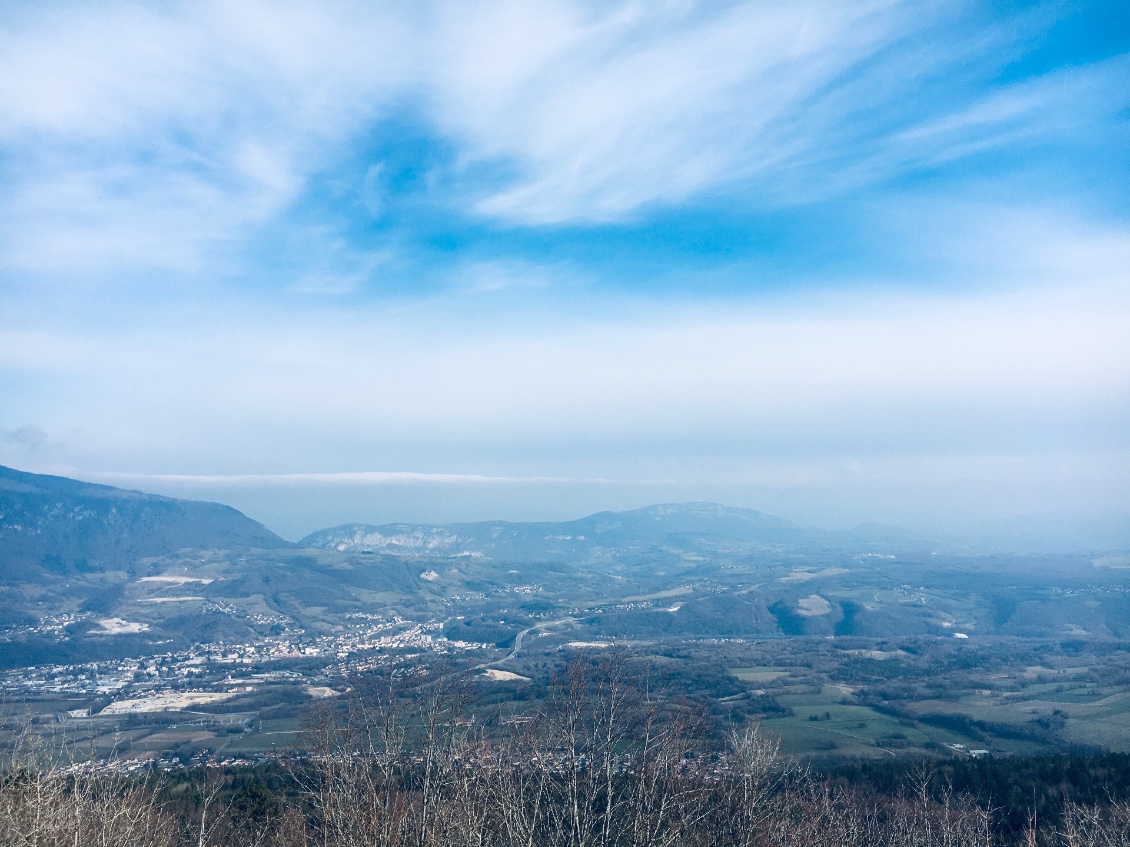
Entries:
{"x":62,"y":525}
{"x":650,"y":525}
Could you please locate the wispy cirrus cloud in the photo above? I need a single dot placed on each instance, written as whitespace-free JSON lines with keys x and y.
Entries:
{"x":602,"y":116}
{"x":145,"y":138}
{"x":632,"y":109}
{"x":167,"y":138}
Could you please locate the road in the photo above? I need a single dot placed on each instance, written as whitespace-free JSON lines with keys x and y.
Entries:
{"x":519,"y":638}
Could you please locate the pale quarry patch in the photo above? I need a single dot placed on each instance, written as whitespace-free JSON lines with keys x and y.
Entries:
{"x":177,"y":580}
{"x":118,"y":626}
{"x":1114,"y":562}
{"x":495,"y":675}
{"x":813,"y":606}
{"x":184,"y":599}
{"x":880,"y":655}
{"x":171,"y":702}
{"x":804,"y":576}
{"x":319,"y":692}
{"x":430,"y":576}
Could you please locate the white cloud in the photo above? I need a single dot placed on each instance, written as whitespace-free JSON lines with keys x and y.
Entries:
{"x":209,"y":70}
{"x":1059,"y":105}
{"x":1042,"y":367}
{"x":605,"y":114}
{"x":148,"y":137}
{"x":28,"y":436}
{"x":149,"y":140}
{"x":493,"y":277}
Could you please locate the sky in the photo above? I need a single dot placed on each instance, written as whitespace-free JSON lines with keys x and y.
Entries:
{"x":334,"y":262}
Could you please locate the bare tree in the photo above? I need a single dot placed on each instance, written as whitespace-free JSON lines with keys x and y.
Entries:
{"x":353,"y":787}
{"x":751,"y":791}
{"x":521,"y":769}
{"x":45,"y":803}
{"x":1095,"y":826}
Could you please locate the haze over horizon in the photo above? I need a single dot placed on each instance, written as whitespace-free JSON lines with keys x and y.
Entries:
{"x":381,"y":262}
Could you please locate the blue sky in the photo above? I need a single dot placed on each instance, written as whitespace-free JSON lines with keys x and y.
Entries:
{"x":437,"y":261}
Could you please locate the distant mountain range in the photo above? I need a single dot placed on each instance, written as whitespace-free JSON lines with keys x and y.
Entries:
{"x":54,"y":525}
{"x":686,"y":525}
{"x":57,"y":525}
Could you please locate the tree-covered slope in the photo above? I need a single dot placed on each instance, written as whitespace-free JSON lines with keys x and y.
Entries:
{"x":57,"y":525}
